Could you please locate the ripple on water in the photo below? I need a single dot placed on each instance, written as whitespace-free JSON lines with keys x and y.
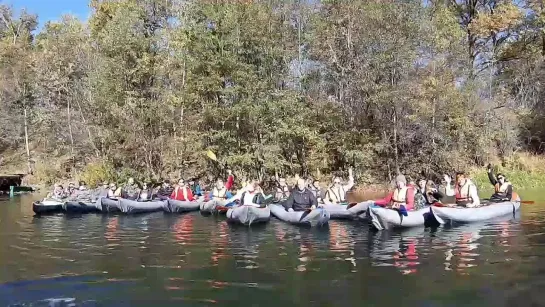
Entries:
{"x":198,"y":260}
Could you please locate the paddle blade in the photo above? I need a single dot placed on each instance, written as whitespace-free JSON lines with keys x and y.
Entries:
{"x":527,"y":202}
{"x":211,"y":155}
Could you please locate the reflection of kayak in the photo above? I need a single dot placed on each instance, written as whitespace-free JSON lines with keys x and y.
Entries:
{"x":47,"y":206}
{"x":177,"y":206}
{"x":341,"y":211}
{"x":466,"y":215}
{"x":80,"y":207}
{"x":132,"y":206}
{"x":248,"y":215}
{"x":383,"y":218}
{"x":316,"y":217}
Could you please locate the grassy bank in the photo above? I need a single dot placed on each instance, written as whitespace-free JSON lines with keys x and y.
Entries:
{"x":525,"y":171}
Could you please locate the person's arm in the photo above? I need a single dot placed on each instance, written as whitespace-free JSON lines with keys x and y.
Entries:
{"x":474,"y":195}
{"x":288,"y":204}
{"x":230,"y":181}
{"x":190,"y":196}
{"x":438,"y":195}
{"x":410,"y":199}
{"x":449,"y":190}
{"x":327,"y":197}
{"x":350,"y":183}
{"x":236,"y":197}
{"x":509,"y":192}
{"x":174,"y":194}
{"x":386,"y":200}
{"x":492,"y":177}
{"x":313,"y":200}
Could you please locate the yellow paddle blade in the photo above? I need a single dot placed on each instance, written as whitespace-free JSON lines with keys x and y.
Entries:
{"x":211,"y":155}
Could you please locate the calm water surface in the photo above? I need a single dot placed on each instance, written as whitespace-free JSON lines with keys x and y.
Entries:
{"x":95,"y":260}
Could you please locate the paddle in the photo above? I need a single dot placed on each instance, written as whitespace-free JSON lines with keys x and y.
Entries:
{"x":525,"y":202}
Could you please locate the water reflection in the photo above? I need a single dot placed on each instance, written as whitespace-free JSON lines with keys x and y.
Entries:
{"x":145,"y":259}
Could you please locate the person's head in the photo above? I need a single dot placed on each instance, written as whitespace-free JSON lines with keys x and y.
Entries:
{"x":105,"y":184}
{"x":461,"y":178}
{"x":82,"y":183}
{"x":144,"y":185}
{"x":282,"y":182}
{"x":113,"y":186}
{"x":252,"y":186}
{"x":219,"y":184}
{"x":337,"y":181}
{"x":501,"y":178}
{"x":181,"y":182}
{"x":316,"y":184}
{"x":401,"y":181}
{"x":191,"y":183}
{"x":422,"y":184}
{"x":166,"y":183}
{"x":130,"y":181}
{"x":430,"y":186}
{"x":71,"y":186}
{"x":301,"y":184}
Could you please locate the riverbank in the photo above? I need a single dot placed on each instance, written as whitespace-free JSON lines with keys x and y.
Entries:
{"x":524,"y":171}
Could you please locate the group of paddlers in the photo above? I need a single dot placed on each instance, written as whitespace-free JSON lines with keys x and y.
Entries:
{"x":306,"y":194}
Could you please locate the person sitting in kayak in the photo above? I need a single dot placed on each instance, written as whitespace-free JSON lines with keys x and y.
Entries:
{"x":316,"y":189}
{"x":336,"y":194}
{"x":182,"y":192}
{"x":101,"y":190}
{"x":426,"y":194}
{"x":58,"y":192}
{"x":282,"y":191}
{"x":130,"y":190}
{"x":250,"y":195}
{"x":503,"y":189}
{"x":465,"y":192}
{"x":301,"y":199}
{"x":165,"y":190}
{"x":71,"y":191}
{"x":401,"y":198}
{"x":114,"y":192}
{"x":446,"y":190}
{"x":146,"y":193}
{"x":195,"y":188}
{"x":221,"y":193}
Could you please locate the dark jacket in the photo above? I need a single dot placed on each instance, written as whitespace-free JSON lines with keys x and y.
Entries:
{"x":301,"y":200}
{"x":164,"y":193}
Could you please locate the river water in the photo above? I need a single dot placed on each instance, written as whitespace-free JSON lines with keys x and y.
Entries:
{"x":96,"y":260}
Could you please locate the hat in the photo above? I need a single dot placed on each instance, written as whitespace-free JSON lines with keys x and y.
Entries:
{"x":401,"y":178}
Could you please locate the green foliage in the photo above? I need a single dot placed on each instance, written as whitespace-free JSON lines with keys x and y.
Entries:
{"x":98,"y":172}
{"x":275,"y":86}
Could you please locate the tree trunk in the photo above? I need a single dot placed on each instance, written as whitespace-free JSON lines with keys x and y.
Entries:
{"x":70,"y":131}
{"x":29,"y":165}
{"x":396,"y":154}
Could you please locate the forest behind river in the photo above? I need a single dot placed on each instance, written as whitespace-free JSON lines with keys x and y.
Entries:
{"x":145,"y":88}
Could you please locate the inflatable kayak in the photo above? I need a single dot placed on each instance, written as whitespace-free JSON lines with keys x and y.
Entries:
{"x":177,"y":206}
{"x":248,"y":214}
{"x":468,"y":215}
{"x":342,"y":211}
{"x":316,"y":217}
{"x":214,"y":206}
{"x":383,"y":218}
{"x":47,"y":206}
{"x":80,"y":207}
{"x":132,"y":206}
{"x":108,"y":205}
